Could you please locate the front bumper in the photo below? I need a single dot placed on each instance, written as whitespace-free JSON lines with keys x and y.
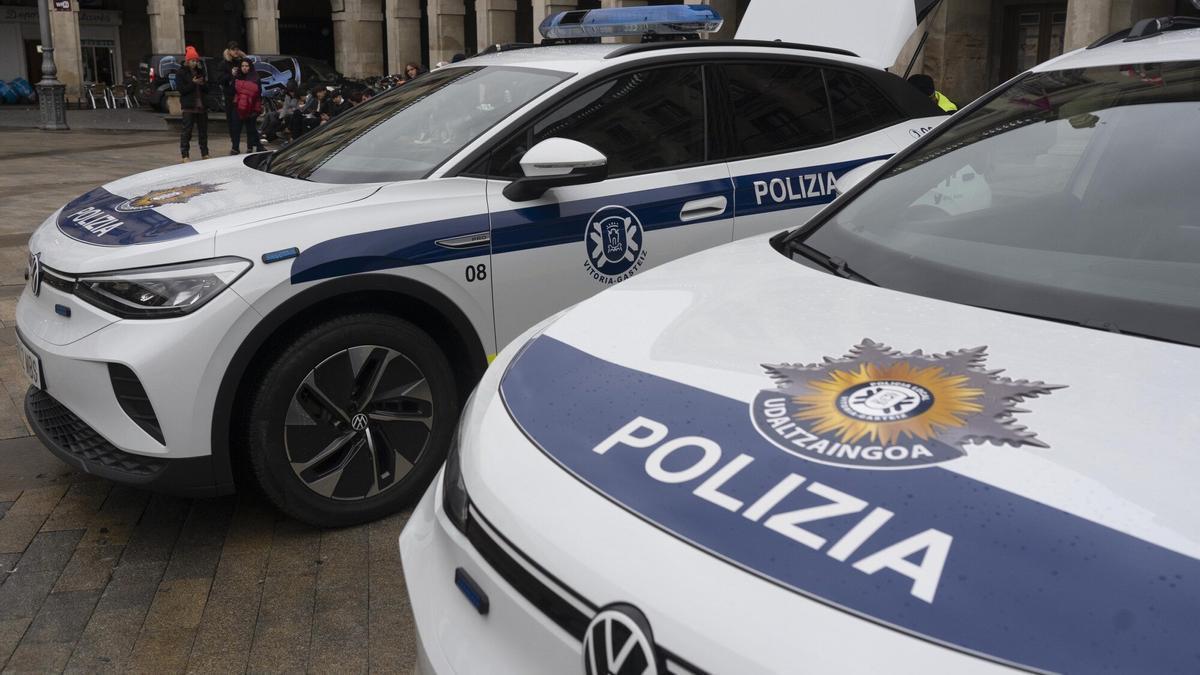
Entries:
{"x":452,"y":637}
{"x":157,"y":436}
{"x":80,"y":446}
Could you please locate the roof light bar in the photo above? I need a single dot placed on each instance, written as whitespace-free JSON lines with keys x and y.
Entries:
{"x":631,"y":21}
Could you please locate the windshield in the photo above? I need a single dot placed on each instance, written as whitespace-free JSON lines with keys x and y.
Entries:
{"x":409,"y":131}
{"x":1071,"y":195}
{"x":315,"y":71}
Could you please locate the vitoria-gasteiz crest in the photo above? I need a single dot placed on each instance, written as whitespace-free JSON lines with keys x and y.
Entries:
{"x":879,"y":408}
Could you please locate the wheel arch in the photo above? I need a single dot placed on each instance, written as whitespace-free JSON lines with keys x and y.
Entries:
{"x":411,"y":300}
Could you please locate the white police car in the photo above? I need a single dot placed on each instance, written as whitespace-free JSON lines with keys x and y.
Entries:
{"x":323,"y":310}
{"x":757,"y":460}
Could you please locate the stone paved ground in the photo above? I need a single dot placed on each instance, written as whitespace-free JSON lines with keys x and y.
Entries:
{"x":98,"y":577}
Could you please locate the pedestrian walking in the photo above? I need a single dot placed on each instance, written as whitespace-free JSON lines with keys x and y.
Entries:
{"x":925,"y":85}
{"x":193,"y":86}
{"x":248,"y":103}
{"x":232,"y":55}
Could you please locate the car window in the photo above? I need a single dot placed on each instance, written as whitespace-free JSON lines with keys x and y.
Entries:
{"x":777,"y":107}
{"x":649,"y":120}
{"x":858,"y":105}
{"x":1070,"y":195}
{"x":313,"y":71}
{"x":409,"y":131}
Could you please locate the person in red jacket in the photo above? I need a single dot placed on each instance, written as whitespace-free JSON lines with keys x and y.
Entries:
{"x":247,"y":100}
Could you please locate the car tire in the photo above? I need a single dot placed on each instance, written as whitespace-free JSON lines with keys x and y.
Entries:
{"x":351,"y":419}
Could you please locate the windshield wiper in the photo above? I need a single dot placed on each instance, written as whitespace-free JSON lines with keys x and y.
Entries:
{"x":834,"y":264}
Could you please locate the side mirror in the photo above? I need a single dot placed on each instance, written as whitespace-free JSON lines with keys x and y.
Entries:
{"x":856,"y":175}
{"x":556,"y":162}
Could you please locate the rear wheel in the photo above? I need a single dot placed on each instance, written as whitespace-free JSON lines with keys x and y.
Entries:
{"x":352,"y":419}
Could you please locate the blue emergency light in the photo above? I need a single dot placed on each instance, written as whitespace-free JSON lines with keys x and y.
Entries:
{"x":662,"y":20}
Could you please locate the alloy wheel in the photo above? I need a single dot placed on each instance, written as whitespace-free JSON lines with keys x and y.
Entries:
{"x":358,"y":423}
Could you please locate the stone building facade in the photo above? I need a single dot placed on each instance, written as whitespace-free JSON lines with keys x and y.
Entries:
{"x":971,"y":46}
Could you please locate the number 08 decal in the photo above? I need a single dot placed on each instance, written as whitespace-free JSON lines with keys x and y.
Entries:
{"x":475,"y":272}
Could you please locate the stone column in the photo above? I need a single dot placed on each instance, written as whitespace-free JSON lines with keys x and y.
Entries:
{"x":68,"y":56}
{"x":358,"y":38}
{"x":262,"y":27}
{"x":1087,"y":21}
{"x":403,"y":19}
{"x":166,"y":26}
{"x":447,"y":30}
{"x":496,"y":21}
{"x":545,"y":8}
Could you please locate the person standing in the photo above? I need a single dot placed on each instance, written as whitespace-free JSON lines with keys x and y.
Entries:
{"x":232,"y":55}
{"x":193,"y":86}
{"x":248,"y":104}
{"x":925,"y":85}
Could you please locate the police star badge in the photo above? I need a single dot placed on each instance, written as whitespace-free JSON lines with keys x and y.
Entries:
{"x":879,"y":408}
{"x":171,"y":195}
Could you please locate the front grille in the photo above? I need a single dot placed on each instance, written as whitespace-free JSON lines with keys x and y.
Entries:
{"x":58,"y":280}
{"x":566,"y":608}
{"x":134,"y":400}
{"x":70,"y":435}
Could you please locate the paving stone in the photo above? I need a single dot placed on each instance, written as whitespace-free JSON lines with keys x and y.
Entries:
{"x":107,"y":641}
{"x":11,"y":632}
{"x":4,"y":506}
{"x":284,"y":628}
{"x":78,"y":506}
{"x":392,"y":643}
{"x":340,"y":632}
{"x":154,"y":536}
{"x":117,"y":620}
{"x":90,"y":568}
{"x":160,"y":651}
{"x":8,"y":562}
{"x":295,"y":549}
{"x":198,"y":548}
{"x":49,"y":551}
{"x":178,"y":605}
{"x":22,"y":594}
{"x":115,"y":522}
{"x":39,"y":657}
{"x":62,"y":618}
{"x":37,"y":501}
{"x":226,"y":632}
{"x":9,"y":494}
{"x":16,"y":531}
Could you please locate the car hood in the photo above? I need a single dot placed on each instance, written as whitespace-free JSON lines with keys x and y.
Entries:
{"x":875,"y":30}
{"x":1009,"y":487}
{"x":193,"y":199}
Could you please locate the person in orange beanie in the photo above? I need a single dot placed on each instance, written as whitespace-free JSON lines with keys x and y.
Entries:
{"x":193,"y":85}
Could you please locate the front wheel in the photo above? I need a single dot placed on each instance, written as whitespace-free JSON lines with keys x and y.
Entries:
{"x":352,"y":419}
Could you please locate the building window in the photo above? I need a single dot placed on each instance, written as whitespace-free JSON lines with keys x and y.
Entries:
{"x":1033,"y":33}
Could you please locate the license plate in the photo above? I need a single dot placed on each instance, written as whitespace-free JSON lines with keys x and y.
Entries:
{"x":31,"y":364}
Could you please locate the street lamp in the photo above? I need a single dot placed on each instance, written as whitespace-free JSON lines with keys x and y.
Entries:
{"x":51,"y":93}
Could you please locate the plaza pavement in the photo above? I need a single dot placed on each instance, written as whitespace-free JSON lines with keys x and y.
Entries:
{"x":101,"y":578}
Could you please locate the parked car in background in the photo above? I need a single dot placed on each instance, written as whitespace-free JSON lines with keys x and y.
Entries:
{"x":276,"y":70}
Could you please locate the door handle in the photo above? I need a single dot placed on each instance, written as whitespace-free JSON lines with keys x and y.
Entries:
{"x":703,"y":208}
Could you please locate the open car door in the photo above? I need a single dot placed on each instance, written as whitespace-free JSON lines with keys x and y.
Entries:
{"x":875,"y":30}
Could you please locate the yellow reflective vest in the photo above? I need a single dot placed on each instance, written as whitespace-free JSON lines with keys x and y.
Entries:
{"x":944,"y":103}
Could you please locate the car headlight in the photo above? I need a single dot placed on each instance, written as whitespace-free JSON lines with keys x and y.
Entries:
{"x":454,"y":491}
{"x":160,"y":292}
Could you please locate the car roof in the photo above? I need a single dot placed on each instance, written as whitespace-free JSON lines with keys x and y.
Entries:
{"x":588,"y":58}
{"x":1174,"y":45}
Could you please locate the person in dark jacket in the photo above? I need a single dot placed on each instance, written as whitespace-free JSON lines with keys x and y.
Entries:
{"x":247,"y":101}
{"x":192,"y":88}
{"x":232,"y":55}
{"x":339,"y":104}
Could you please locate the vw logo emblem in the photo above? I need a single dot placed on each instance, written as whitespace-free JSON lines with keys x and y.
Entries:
{"x":33,"y":272}
{"x":618,"y":641}
{"x":359,"y":422}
